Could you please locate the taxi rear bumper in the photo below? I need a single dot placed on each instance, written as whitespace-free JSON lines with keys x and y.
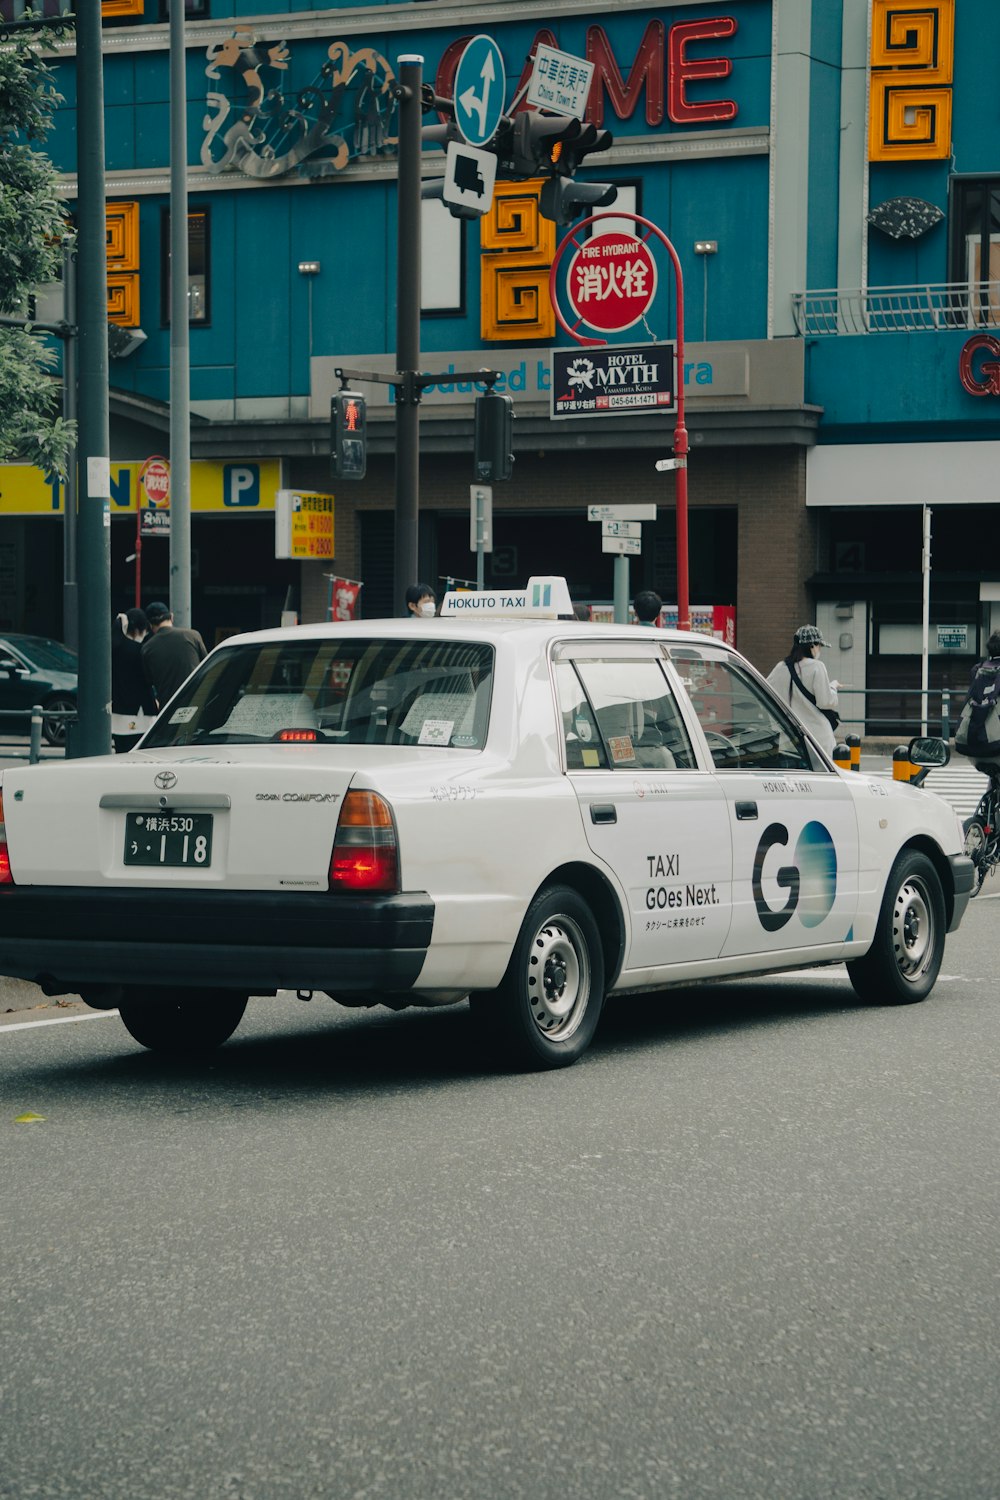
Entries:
{"x":71,"y":938}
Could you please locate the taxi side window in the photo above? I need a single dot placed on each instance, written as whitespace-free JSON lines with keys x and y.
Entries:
{"x":584,"y":747}
{"x":636,"y":714}
{"x":744,"y":729}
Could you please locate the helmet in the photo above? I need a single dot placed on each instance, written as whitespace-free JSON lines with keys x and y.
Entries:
{"x":809,"y":635}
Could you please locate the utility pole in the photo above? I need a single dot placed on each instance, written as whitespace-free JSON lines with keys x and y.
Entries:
{"x":93,"y":531}
{"x":180,"y":332}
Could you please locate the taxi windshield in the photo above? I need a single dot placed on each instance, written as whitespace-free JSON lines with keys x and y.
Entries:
{"x":343,"y":691}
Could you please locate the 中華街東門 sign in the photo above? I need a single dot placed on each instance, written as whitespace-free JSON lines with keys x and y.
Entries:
{"x":612,"y":380}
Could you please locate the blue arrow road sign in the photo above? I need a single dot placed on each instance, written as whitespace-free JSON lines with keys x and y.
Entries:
{"x":480,"y":86}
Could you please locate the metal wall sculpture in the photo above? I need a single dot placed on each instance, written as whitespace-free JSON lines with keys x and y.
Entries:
{"x":346,"y":110}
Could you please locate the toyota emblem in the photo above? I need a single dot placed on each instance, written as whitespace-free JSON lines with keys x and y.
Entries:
{"x":165,"y":780}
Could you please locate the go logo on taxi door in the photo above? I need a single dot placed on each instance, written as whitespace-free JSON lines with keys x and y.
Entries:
{"x":810,"y":880}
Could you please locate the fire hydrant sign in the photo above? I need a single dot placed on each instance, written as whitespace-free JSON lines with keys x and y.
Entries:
{"x":154,"y":485}
{"x":303,"y":525}
{"x":611,"y":282}
{"x":606,"y":382}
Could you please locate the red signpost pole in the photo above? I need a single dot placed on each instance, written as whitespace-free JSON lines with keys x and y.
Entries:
{"x":680,"y":430}
{"x":681,"y":455}
{"x":138,"y":547}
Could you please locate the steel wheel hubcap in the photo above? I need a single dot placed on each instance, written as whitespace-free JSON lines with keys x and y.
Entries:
{"x":558,"y":978}
{"x":912,"y":930}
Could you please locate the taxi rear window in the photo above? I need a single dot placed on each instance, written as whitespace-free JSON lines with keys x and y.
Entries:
{"x":346,"y":691}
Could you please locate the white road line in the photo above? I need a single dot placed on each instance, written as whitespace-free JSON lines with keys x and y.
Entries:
{"x":92,"y":1015}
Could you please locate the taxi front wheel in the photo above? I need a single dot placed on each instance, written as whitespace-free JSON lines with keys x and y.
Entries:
{"x":547,"y":1007}
{"x":905,"y":957}
{"x":181,"y":1023}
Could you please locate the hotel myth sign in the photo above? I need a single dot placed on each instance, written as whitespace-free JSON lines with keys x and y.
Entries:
{"x":270,"y":112}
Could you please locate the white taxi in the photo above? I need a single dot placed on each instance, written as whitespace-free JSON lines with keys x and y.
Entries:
{"x":500,"y":804}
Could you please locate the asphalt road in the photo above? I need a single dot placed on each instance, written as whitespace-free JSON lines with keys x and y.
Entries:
{"x":746,"y":1249}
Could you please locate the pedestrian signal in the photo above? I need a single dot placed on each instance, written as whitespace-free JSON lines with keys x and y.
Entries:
{"x":348,"y":435}
{"x":493,"y":459}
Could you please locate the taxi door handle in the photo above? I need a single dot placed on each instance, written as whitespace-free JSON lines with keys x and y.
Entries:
{"x":746,"y":810}
{"x":603,"y":812}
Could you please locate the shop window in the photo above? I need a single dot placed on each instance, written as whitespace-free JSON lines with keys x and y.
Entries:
{"x":974,"y":247}
{"x":199,"y":277}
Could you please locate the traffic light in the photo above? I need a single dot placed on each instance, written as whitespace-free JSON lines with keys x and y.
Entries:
{"x":492,"y":458}
{"x":348,"y":435}
{"x":553,"y":146}
{"x":563,"y":199}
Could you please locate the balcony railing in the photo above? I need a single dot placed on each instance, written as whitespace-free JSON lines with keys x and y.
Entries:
{"x":898,"y":309}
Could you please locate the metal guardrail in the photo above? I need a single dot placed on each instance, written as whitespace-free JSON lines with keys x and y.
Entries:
{"x":898,"y":309}
{"x":915,"y":709}
{"x":32,"y":719}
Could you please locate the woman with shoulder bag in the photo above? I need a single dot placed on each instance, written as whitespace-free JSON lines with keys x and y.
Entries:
{"x":801,"y":680}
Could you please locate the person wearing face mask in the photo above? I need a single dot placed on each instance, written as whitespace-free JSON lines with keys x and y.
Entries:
{"x":421,"y":601}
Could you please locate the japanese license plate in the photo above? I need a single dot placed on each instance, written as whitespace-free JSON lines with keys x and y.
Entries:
{"x":168,"y":838}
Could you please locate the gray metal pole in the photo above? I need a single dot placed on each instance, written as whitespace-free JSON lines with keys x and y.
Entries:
{"x":621,"y":589}
{"x":180,"y":332}
{"x":408,"y":326}
{"x":93,"y":532}
{"x":71,"y":605}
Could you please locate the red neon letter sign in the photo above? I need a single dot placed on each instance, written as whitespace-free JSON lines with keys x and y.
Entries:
{"x":646,"y":69}
{"x":987,"y":383}
{"x":681,"y":70}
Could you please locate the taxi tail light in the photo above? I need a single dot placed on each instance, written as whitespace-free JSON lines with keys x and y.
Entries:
{"x":365,"y":853}
{"x":6,"y":878}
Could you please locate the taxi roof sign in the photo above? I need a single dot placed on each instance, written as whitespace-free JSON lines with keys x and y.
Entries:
{"x":545,"y":597}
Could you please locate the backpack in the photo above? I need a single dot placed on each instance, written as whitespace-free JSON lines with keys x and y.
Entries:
{"x":978,"y":732}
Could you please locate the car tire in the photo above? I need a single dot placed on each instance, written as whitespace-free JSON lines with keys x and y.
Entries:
{"x":181,"y":1023}
{"x":977,"y":836}
{"x":546,"y":1009}
{"x":904,"y":960}
{"x":54,"y":731}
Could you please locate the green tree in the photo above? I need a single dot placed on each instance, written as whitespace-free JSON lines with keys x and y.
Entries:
{"x":32,"y":228}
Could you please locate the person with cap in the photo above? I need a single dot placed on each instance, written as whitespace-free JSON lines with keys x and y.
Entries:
{"x":801,"y":680}
{"x":647,"y":605}
{"x":169,"y":653}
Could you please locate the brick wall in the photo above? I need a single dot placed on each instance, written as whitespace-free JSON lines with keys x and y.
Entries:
{"x":776,"y":534}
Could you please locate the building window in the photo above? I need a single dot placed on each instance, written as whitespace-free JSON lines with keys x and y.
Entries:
{"x":191,"y":8}
{"x":199,"y":279}
{"x":975,"y":245}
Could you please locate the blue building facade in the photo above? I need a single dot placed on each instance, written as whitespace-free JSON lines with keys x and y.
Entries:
{"x":829,"y":175}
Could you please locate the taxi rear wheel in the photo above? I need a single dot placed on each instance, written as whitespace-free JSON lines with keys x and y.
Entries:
{"x":181,"y":1023}
{"x":549,"y":1002}
{"x":905,"y":957}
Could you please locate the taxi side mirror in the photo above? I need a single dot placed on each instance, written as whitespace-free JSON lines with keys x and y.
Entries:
{"x":929,"y":751}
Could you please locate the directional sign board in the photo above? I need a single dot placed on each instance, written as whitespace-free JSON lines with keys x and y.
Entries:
{"x":560,"y":82}
{"x":621,"y":528}
{"x":621,"y":512}
{"x":479,"y":90}
{"x":630,"y":546}
{"x":469,"y":176}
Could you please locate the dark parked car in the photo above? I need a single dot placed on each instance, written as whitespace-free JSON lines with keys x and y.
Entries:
{"x":34,"y":670}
